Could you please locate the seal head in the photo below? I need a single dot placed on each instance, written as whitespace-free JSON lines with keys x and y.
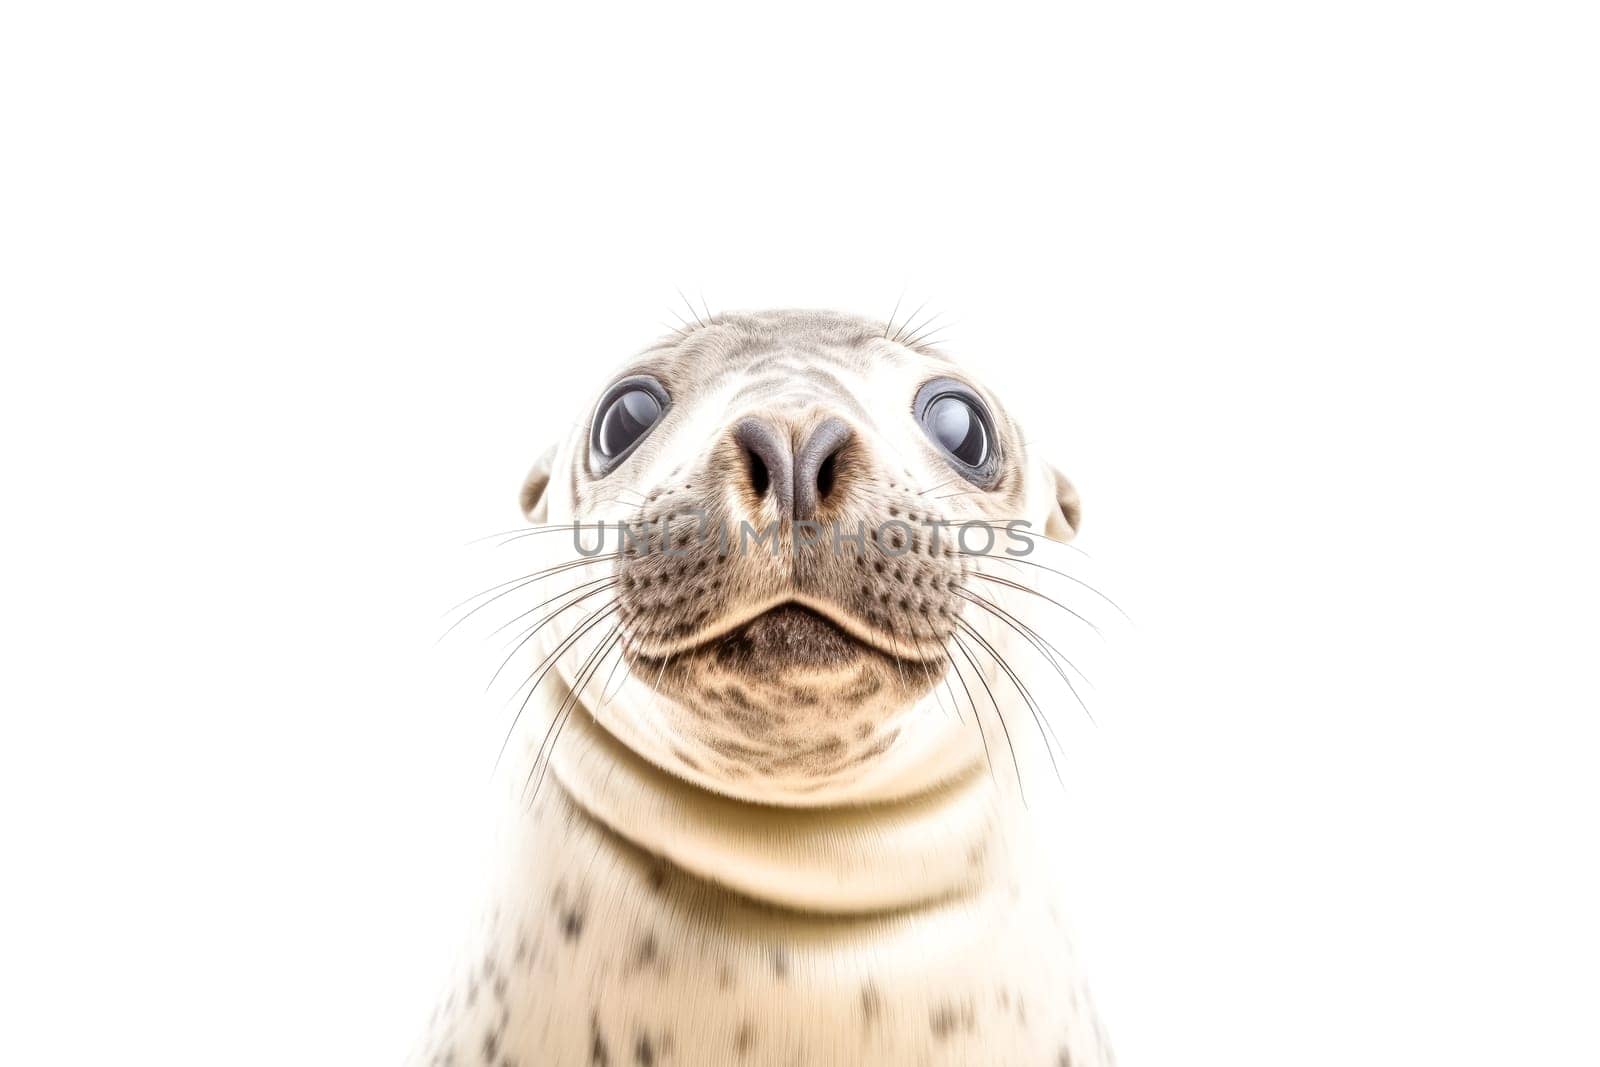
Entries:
{"x":787,"y":499}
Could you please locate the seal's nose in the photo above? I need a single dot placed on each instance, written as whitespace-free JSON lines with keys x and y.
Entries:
{"x":816,"y":466}
{"x":798,"y":479}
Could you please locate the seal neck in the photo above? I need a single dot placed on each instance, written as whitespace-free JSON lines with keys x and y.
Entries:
{"x":855,"y":860}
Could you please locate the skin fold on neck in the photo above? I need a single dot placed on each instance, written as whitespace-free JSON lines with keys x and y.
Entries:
{"x":856,"y":860}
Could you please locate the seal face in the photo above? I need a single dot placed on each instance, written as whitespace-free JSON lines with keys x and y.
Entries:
{"x":786,"y":494}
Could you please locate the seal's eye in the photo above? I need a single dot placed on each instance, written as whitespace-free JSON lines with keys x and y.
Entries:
{"x":958,"y":429}
{"x":626,"y":420}
{"x":625,"y":415}
{"x":956,"y":419}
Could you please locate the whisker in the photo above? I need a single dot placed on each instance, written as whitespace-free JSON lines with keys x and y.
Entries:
{"x":690,"y":306}
{"x":928,"y":329}
{"x":1026,"y":694}
{"x":887,"y":326}
{"x":541,"y":527}
{"x":911,"y":330}
{"x":661,"y":672}
{"x":529,"y":633}
{"x":543,"y":669}
{"x":573,"y":527}
{"x":1033,"y":638}
{"x":909,"y":318}
{"x":580,"y":680}
{"x":1015,"y":766}
{"x":1052,"y":570}
{"x":1010,"y":526}
{"x":500,"y":585}
{"x":977,"y":719}
{"x":1034,"y":592}
{"x":941,"y":485}
{"x":610,"y":578}
{"x":995,"y":605}
{"x":951,"y":693}
{"x":525,"y":580}
{"x":548,"y":663}
{"x":606,"y":692}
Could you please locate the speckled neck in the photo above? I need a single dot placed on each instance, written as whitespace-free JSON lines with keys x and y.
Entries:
{"x":848,"y":861}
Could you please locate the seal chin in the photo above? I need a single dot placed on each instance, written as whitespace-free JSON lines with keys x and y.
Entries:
{"x":791,"y":694}
{"x":799,"y":633}
{"x":789,"y":635}
{"x":793,"y":639}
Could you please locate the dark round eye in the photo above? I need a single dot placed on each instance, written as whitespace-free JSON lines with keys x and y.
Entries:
{"x":625,"y":415}
{"x":955,"y":425}
{"x":626,"y":418}
{"x":957,"y":420}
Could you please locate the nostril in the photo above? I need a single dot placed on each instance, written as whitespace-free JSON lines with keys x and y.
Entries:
{"x":770,"y":465}
{"x":825,"y":476}
{"x":760,"y":479}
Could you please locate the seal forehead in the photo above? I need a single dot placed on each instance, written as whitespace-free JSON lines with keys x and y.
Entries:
{"x":778,"y":344}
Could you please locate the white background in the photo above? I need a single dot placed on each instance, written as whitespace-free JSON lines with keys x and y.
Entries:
{"x":1303,"y":297}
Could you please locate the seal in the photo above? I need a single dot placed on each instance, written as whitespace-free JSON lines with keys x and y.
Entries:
{"x":754,"y":814}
